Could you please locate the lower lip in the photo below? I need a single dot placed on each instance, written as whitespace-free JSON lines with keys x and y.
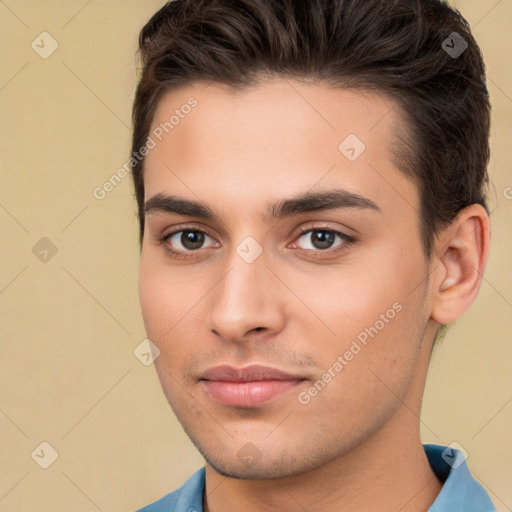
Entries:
{"x":248,"y":394}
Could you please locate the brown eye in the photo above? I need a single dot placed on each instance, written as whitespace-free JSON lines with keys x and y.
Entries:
{"x":192,"y":239}
{"x":187,"y":240}
{"x":321,"y":239}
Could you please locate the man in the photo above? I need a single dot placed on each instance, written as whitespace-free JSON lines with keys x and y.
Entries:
{"x":310,"y":179}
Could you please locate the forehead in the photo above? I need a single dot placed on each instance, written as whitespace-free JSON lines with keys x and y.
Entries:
{"x":279,"y":136}
{"x":299,"y":112}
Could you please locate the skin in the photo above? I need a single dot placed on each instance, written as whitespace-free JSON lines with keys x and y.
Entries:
{"x":356,"y":444}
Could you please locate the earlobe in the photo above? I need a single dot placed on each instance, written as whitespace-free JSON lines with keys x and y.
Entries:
{"x":461,"y":249}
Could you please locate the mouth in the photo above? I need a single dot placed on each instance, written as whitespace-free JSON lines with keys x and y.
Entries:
{"x":248,"y":387}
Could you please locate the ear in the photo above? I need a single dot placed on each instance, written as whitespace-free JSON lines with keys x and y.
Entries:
{"x":458,"y":264}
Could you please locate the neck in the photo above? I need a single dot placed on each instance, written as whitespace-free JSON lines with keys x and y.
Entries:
{"x":380,"y":475}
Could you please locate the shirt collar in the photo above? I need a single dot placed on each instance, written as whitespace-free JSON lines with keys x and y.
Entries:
{"x":460,"y":491}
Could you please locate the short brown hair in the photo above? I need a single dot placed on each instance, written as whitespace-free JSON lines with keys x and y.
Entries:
{"x":397,"y":47}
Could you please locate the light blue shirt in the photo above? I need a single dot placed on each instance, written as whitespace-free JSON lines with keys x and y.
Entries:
{"x":460,"y":491}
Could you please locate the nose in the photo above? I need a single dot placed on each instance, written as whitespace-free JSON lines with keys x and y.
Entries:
{"x":246,"y":301}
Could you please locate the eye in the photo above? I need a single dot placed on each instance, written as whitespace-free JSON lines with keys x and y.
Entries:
{"x":187,"y":240}
{"x":322,"y":239}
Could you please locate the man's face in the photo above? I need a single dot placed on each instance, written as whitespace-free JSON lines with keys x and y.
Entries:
{"x":337,"y":297}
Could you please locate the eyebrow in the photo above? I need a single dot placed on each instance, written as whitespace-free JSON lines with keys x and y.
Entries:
{"x":280,"y":209}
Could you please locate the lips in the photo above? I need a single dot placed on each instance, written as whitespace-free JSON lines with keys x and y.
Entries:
{"x":251,"y":386}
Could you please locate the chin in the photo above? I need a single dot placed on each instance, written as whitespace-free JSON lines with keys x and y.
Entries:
{"x":263,"y":466}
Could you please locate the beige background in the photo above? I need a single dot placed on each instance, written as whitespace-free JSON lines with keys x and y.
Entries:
{"x":68,"y":375}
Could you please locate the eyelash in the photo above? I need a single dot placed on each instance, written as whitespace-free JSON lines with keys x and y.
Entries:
{"x":347,"y":241}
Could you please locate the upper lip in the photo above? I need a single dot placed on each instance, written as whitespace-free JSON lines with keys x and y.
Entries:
{"x":247,"y":374}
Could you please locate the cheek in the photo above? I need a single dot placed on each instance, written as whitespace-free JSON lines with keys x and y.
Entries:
{"x":170,"y":300}
{"x":371,"y":310}
{"x":347,"y":300}
{"x":370,"y":363}
{"x":164,"y":304}
{"x":152,"y":298}
{"x":162,"y":299}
